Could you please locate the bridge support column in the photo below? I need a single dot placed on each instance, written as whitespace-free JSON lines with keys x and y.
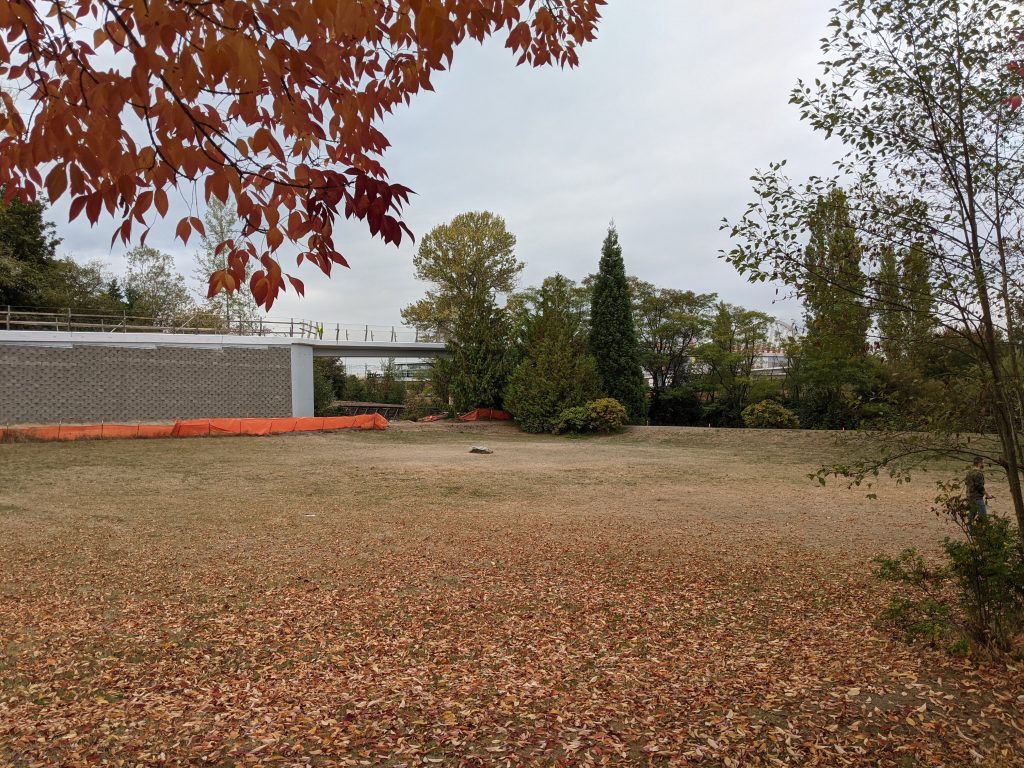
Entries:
{"x":302,"y":380}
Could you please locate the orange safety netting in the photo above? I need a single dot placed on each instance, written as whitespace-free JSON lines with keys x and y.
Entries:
{"x":485,"y":414}
{"x":197,"y":428}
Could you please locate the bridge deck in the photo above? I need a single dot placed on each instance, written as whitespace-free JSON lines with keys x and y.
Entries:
{"x":320,"y":347}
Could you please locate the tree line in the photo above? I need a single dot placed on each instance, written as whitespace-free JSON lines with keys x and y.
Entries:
{"x":676,"y":357}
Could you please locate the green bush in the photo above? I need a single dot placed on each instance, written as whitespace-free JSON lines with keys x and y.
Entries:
{"x":769,"y":414}
{"x":675,"y":407}
{"x":572,"y":420}
{"x":323,"y":386}
{"x":978,"y":594}
{"x":604,"y":415}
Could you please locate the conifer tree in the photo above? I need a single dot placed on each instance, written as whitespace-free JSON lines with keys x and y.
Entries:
{"x":613,"y":341}
{"x":477,"y":366}
{"x":556,"y":371}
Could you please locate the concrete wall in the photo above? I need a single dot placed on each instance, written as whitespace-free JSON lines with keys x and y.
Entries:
{"x":144,"y":382}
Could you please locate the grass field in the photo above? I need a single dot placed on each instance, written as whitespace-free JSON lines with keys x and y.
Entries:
{"x":661,"y":597}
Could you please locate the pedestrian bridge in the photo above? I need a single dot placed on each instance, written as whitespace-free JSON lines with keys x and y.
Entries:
{"x":162,"y":373}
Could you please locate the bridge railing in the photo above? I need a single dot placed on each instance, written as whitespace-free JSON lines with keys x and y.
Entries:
{"x":18,"y":319}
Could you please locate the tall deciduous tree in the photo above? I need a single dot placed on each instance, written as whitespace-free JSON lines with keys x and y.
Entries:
{"x":478,"y":358}
{"x":556,"y":371}
{"x":834,"y":367}
{"x":924,"y":96}
{"x":471,"y":266}
{"x":271,"y":103}
{"x":153,"y":287}
{"x":888,"y":304}
{"x":904,"y":306}
{"x":735,"y":339}
{"x":670,"y":323}
{"x":835,"y":285}
{"x":467,"y":262}
{"x":221,"y":225}
{"x":613,"y":341}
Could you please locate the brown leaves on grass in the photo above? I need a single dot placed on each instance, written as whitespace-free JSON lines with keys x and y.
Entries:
{"x":538,"y":658}
{"x":420,"y":627}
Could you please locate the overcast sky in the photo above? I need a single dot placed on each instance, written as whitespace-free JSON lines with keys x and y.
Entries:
{"x":670,"y":111}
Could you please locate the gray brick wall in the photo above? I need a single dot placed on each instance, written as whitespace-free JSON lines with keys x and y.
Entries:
{"x":86,"y":384}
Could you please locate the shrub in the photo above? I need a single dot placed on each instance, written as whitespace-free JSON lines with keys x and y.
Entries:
{"x":978,"y":593}
{"x":604,"y":415}
{"x":769,"y":414}
{"x":323,"y":386}
{"x":677,"y":406}
{"x":572,"y":420}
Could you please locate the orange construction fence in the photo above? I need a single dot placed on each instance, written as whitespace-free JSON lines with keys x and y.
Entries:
{"x":197,"y":428}
{"x":485,"y":414}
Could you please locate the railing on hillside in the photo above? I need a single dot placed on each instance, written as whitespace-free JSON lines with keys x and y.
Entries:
{"x":16,"y":319}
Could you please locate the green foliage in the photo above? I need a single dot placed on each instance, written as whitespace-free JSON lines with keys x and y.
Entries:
{"x":323,"y":385}
{"x":555,"y":372}
{"x":834,"y":284}
{"x":154,"y":288}
{"x":927,"y":614}
{"x":932,"y":132}
{"x":420,"y":401}
{"x":677,"y":406}
{"x":904,"y":305}
{"x":737,"y":335}
{"x":978,"y":593}
{"x":335,"y":369}
{"x":468,"y":262}
{"x":613,"y":341}
{"x":669,"y":324}
{"x":384,"y":386}
{"x":835,"y":371}
{"x":769,"y":414}
{"x":476,"y":370}
{"x":27,"y":253}
{"x":31,"y":275}
{"x":603,"y":415}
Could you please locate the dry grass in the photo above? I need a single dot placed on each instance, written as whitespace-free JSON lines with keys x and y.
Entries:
{"x":666,"y":597}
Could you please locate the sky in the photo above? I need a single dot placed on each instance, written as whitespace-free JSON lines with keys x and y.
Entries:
{"x":659,"y":129}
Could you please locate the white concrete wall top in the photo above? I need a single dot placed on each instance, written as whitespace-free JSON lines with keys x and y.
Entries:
{"x":320,"y":347}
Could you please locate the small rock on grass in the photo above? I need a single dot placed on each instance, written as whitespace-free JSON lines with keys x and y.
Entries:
{"x":480,"y":449}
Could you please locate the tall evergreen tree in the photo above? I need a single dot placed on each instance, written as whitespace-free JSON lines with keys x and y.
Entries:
{"x":613,"y":341}
{"x":556,"y":371}
{"x":478,"y":362}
